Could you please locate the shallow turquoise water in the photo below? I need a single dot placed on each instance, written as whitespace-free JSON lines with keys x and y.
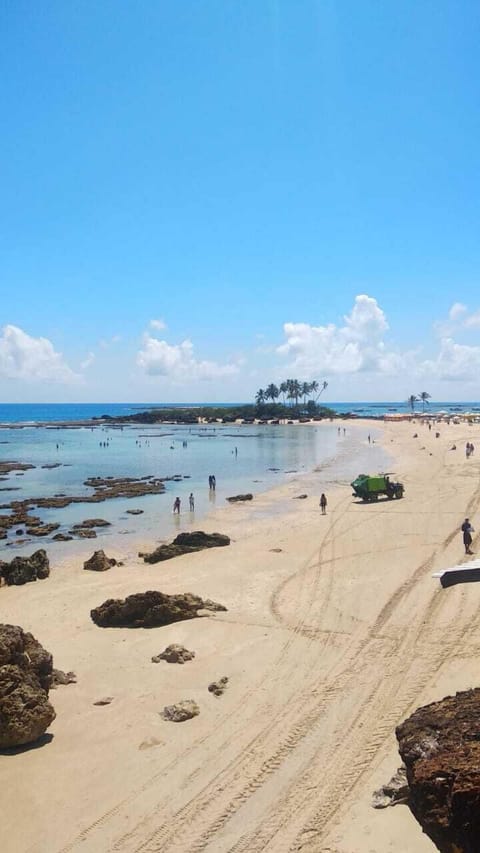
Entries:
{"x":193,"y":452}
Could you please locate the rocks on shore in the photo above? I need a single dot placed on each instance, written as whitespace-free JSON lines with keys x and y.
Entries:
{"x":8,"y":467}
{"x":25,"y":679}
{"x":60,"y":678}
{"x":218,"y":687}
{"x":22,"y":570}
{"x":89,"y":523}
{"x":99,"y":562}
{"x":186,"y":543}
{"x":62,"y":537}
{"x":394,"y":792}
{"x":83,"y":533}
{"x":440,"y":745}
{"x":236,"y":498}
{"x":150,"y":609}
{"x":183,"y":710}
{"x":174,"y":654}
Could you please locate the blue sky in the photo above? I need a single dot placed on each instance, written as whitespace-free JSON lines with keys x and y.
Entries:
{"x":283,"y":188}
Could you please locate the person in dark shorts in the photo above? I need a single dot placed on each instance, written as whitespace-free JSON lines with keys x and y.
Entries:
{"x":467,"y":531}
{"x":323,"y":504}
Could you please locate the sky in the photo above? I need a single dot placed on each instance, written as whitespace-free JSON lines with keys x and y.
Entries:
{"x":200,"y":198}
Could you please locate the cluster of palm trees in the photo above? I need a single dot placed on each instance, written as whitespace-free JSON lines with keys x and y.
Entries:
{"x":422,"y":398}
{"x":292,"y":390}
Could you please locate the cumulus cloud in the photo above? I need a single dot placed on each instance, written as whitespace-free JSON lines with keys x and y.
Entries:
{"x":472,"y":321}
{"x":24,"y":357}
{"x":178,"y":362}
{"x":454,"y":362}
{"x":356,"y":346}
{"x":457,"y":310}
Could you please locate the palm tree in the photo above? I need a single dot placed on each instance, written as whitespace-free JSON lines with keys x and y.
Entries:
{"x":411,"y":402}
{"x":283,"y":390}
{"x":306,"y":388}
{"x":324,"y":385}
{"x":260,"y":397}
{"x":294,"y":390}
{"x":271,"y":392}
{"x":424,"y":397}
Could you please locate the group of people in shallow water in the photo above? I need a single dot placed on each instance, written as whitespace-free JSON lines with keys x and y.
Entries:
{"x":212,"y":483}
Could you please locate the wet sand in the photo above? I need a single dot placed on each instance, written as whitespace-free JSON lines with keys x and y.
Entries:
{"x":335,"y":631}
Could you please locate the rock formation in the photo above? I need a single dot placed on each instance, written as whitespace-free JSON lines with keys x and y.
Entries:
{"x":185,"y":543}
{"x":394,"y":792}
{"x":25,"y":678}
{"x":60,"y":678}
{"x":150,"y":609}
{"x":174,"y":654}
{"x":99,"y":562}
{"x":183,"y":710}
{"x":440,"y":745}
{"x":42,"y":529}
{"x":24,"y":569}
{"x":235,"y":498}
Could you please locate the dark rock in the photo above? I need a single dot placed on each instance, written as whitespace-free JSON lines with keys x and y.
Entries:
{"x":174,"y":654}
{"x":52,"y":465}
{"x":218,"y":687}
{"x":235,"y":498}
{"x":300,"y":497}
{"x":135,"y":511}
{"x":99,"y":562}
{"x":91,"y":522}
{"x":42,"y":529}
{"x":440,"y":745}
{"x":8,"y":467}
{"x":105,"y":701}
{"x":62,"y":537}
{"x":183,"y":710}
{"x":25,"y":678}
{"x":150,"y":609}
{"x":186,"y":543}
{"x":59,"y":677}
{"x":24,"y":569}
{"x":84,"y":533}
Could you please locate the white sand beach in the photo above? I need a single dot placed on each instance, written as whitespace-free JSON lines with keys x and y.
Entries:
{"x":335,"y":631}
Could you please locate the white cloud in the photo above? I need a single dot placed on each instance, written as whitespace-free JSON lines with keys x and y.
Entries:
{"x":159,"y":325}
{"x":457,"y":310}
{"x":177,"y":362}
{"x":88,"y":361}
{"x":473,"y":321}
{"x":454,"y":362}
{"x":24,"y":357}
{"x":354,"y":347}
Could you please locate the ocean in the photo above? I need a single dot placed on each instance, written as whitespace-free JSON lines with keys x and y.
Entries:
{"x":242,"y":458}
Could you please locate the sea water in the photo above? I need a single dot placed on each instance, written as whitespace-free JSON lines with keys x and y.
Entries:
{"x":242,"y":459}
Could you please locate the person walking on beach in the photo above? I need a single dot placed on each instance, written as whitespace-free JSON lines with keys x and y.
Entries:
{"x":176,"y":505}
{"x":323,"y":504}
{"x":467,"y":531}
{"x":191,"y":501}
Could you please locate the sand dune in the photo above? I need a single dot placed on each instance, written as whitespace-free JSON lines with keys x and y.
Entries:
{"x":327,"y":644}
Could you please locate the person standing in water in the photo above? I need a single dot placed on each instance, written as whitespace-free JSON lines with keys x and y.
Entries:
{"x":191,"y":501}
{"x":323,"y":504}
{"x":176,"y":505}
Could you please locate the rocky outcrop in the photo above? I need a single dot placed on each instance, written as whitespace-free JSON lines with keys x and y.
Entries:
{"x":174,"y":654}
{"x":8,"y":467}
{"x":183,"y":710}
{"x":25,"y":569}
{"x":89,"y":523}
{"x":84,"y":533}
{"x":25,"y":678}
{"x":62,"y":537}
{"x":186,"y":543}
{"x":99,"y":562}
{"x":440,"y":745}
{"x":42,"y":529}
{"x":235,"y":498}
{"x":150,"y":609}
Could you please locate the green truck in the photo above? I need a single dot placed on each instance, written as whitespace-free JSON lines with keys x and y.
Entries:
{"x":369,"y":488}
